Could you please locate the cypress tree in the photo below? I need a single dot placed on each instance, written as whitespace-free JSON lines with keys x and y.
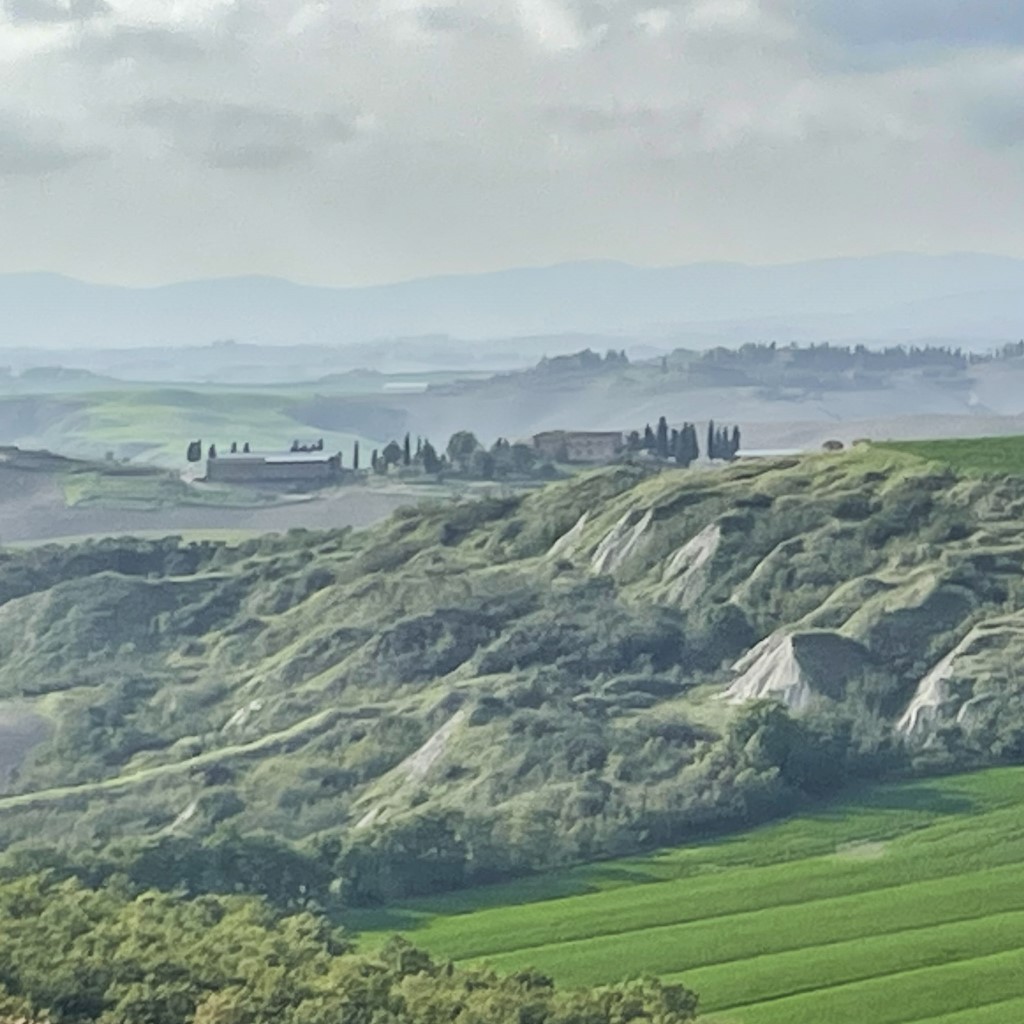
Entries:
{"x":431,"y":463}
{"x":711,"y":440}
{"x":406,"y":451}
{"x":661,"y":440}
{"x":735,"y":446}
{"x":355,"y":455}
{"x":650,"y":443}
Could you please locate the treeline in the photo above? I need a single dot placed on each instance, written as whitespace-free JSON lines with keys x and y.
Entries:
{"x":826,"y":357}
{"x":464,"y":456}
{"x":681,"y":445}
{"x":72,"y":954}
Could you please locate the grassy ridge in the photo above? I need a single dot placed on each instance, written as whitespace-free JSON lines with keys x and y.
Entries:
{"x":973,"y":456}
{"x":859,"y":912}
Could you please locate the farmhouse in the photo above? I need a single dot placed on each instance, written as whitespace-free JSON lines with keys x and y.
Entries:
{"x":316,"y":467}
{"x":579,"y":445}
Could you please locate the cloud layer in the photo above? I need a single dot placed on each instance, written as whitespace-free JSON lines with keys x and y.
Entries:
{"x":143,"y":141}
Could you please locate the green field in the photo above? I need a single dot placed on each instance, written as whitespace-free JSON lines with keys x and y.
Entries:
{"x":905,"y":903}
{"x":976,"y":456}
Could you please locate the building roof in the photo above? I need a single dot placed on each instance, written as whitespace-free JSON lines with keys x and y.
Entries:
{"x":580,"y":433}
{"x":275,"y":457}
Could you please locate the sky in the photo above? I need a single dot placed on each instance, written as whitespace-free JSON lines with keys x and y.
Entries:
{"x":361,"y":141}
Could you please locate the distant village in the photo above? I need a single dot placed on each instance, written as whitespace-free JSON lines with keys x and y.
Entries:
{"x":307,"y":464}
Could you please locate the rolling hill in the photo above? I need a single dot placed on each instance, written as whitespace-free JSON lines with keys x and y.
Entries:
{"x":475,"y":690}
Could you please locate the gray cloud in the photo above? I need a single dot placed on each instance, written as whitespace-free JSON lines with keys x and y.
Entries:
{"x":24,"y":152}
{"x":586,"y":119}
{"x":452,"y":20}
{"x":141,"y":43}
{"x":496,"y":132}
{"x":883,"y":23}
{"x":236,"y":136}
{"x":997,"y":119}
{"x":55,"y":11}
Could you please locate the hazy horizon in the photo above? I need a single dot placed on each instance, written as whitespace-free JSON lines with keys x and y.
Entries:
{"x":469,"y":272}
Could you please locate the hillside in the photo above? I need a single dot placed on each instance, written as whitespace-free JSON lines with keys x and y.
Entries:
{"x":478,"y":689}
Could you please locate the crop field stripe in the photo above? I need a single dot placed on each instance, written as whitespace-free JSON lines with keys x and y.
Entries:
{"x":1002,"y":1011}
{"x":776,"y":976}
{"x":694,"y":912}
{"x":909,"y":996}
{"x":912,"y":857}
{"x":779,"y":927}
{"x":816,"y":924}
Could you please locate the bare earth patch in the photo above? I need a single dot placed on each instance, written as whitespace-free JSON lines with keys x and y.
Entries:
{"x":20,"y":731}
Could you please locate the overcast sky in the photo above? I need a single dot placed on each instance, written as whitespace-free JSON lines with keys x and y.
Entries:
{"x":359,"y":141}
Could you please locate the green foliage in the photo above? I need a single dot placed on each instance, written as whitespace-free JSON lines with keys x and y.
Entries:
{"x":75,"y":955}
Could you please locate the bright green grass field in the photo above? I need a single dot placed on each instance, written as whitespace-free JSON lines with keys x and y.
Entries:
{"x":903,"y":904}
{"x":972,"y":455}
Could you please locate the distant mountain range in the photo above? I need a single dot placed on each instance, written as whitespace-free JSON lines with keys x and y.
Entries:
{"x":967,"y":298}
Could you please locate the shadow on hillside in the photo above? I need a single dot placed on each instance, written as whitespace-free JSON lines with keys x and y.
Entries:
{"x":929,"y":797}
{"x":418,"y":912}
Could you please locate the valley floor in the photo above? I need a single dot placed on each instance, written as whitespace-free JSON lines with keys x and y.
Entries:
{"x":905,"y":903}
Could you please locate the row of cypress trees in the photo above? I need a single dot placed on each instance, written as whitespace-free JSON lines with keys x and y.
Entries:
{"x":681,"y":445}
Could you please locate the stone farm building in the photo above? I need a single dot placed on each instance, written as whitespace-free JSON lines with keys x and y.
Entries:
{"x":274,"y":468}
{"x":579,"y":445}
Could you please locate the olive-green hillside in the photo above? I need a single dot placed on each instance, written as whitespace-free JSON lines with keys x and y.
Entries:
{"x":477,"y":689}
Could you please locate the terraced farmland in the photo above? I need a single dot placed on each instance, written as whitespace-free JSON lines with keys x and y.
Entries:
{"x":904,"y":904}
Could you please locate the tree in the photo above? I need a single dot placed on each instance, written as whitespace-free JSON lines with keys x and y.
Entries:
{"x":686,"y":450}
{"x":234,"y":447}
{"x":524,"y":458}
{"x":195,"y":451}
{"x":355,"y":455}
{"x":650,"y":442}
{"x":212,"y":453}
{"x":692,"y":446}
{"x":461,"y":446}
{"x":431,"y":463}
{"x":407,"y":451}
{"x":661,"y":439}
{"x":711,"y":440}
{"x":481,"y":464}
{"x":246,"y":449}
{"x":734,"y":446}
{"x":392,"y":454}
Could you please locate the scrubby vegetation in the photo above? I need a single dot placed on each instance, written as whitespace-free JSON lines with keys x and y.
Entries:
{"x":481,"y":689}
{"x":73,"y":955}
